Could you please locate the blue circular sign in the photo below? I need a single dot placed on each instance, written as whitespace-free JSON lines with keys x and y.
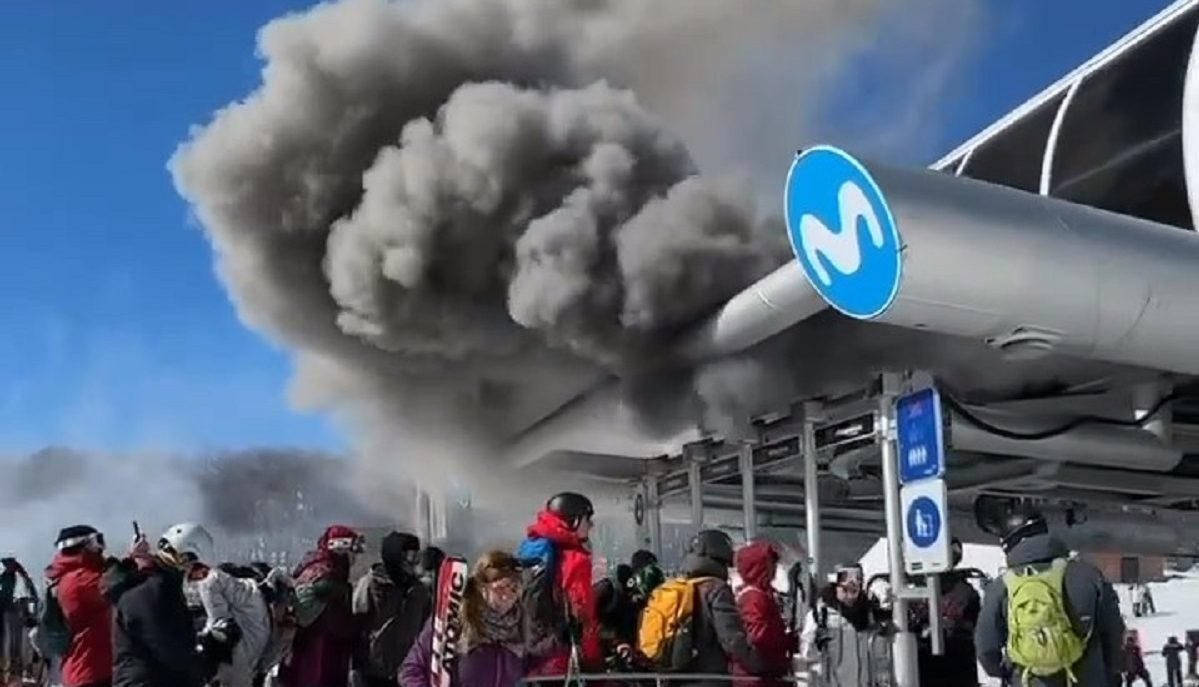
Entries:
{"x":842,"y":232}
{"x":923,"y":522}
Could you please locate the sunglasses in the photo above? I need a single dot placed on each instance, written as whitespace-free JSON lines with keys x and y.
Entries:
{"x":504,"y":587}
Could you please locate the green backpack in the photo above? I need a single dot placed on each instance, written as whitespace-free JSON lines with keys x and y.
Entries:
{"x":1041,"y":639}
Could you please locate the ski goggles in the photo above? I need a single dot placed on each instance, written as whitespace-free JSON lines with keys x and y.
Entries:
{"x":93,"y":540}
{"x":850,"y":576}
{"x":346,"y":545}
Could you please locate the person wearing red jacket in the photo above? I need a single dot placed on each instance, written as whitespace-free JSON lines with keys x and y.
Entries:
{"x":74,"y":577}
{"x":565,"y":525}
{"x":326,"y":629}
{"x":767,"y":632}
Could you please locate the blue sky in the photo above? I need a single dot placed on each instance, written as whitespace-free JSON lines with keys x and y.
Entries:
{"x":117,"y":333}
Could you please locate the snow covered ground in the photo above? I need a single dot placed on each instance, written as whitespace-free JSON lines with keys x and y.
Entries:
{"x":1177,"y":603}
{"x":1177,"y":611}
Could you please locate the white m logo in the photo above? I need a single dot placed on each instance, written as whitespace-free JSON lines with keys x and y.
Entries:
{"x":840,"y":247}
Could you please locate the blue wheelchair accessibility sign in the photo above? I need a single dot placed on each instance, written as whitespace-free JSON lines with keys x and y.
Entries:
{"x":843,"y":232}
{"x":924,"y":522}
{"x":926,"y":537}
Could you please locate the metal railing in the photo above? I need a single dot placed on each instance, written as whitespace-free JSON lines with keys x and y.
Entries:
{"x":657,"y":679}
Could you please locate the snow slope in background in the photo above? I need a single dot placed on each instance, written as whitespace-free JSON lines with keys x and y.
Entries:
{"x":1177,"y":602}
{"x":1178,"y":610}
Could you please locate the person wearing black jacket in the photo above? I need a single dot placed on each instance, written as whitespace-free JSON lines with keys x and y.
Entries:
{"x":617,"y":616}
{"x":154,"y":640}
{"x":720,"y":638}
{"x":960,"y":606}
{"x":1173,"y":651}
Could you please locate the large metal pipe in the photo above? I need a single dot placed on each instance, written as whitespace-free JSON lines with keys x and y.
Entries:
{"x":1029,"y":274}
{"x":1092,"y":444}
{"x":767,"y":307}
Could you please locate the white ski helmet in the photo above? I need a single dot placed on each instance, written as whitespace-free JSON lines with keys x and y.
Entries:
{"x":188,"y":538}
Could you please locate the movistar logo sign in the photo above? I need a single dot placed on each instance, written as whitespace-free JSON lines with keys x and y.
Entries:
{"x":842,"y":232}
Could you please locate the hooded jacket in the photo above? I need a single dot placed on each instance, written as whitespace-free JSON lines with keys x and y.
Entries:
{"x":1134,"y":659}
{"x":617,"y":613}
{"x":390,"y":615}
{"x":1172,"y":651}
{"x":857,"y":652}
{"x":764,"y":626}
{"x":76,"y":579}
{"x":573,"y":579}
{"x":153,"y":637}
{"x":720,"y":639}
{"x":1091,"y":604}
{"x":226,"y":596}
{"x":324,"y":641}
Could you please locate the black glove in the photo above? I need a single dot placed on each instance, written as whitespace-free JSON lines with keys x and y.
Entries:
{"x":216,"y":644}
{"x":822,"y":639}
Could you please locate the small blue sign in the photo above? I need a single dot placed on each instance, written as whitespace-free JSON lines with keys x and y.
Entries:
{"x":923,"y":522}
{"x":921,"y":436}
{"x":842,"y":232}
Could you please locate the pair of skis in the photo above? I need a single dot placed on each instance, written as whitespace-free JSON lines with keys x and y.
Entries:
{"x":447,"y":626}
{"x":447,"y":620}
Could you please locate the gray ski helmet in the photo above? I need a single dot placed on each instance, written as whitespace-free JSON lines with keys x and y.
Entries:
{"x":713,"y":544}
{"x":571,"y":507}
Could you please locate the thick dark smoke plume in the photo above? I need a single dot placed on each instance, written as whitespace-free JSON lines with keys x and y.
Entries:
{"x":459,"y":213}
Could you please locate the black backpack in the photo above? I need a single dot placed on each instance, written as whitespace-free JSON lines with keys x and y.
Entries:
{"x":545,"y":613}
{"x":53,"y":634}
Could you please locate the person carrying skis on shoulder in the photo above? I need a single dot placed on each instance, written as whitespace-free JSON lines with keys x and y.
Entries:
{"x":154,"y":641}
{"x":325,"y":633}
{"x":492,"y":649}
{"x":558,"y":598}
{"x":391,"y":605}
{"x":1049,"y":620}
{"x":756,"y":563}
{"x":75,"y":627}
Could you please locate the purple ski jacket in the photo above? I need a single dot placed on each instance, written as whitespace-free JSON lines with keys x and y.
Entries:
{"x":487,"y":665}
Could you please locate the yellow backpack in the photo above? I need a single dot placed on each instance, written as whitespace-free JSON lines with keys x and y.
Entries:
{"x":666,"y":634}
{"x":1041,"y":639}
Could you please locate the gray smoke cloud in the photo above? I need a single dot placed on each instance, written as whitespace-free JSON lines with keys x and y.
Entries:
{"x":460,"y":213}
{"x":263,"y":501}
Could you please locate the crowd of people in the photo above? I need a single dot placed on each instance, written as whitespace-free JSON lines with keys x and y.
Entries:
{"x":170,"y":615}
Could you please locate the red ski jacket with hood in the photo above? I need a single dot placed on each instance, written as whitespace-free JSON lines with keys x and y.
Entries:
{"x":574,"y":580}
{"x":88,"y":615}
{"x":322,"y":648}
{"x":756,"y":563}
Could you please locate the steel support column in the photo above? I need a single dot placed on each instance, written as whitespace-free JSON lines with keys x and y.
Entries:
{"x":694,"y":479}
{"x":749,"y":504}
{"x":906,"y":670}
{"x":811,"y":487}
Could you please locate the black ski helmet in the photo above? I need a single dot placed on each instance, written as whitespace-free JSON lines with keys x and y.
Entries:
{"x":1020,"y":526}
{"x":571,"y":507}
{"x":713,"y":544}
